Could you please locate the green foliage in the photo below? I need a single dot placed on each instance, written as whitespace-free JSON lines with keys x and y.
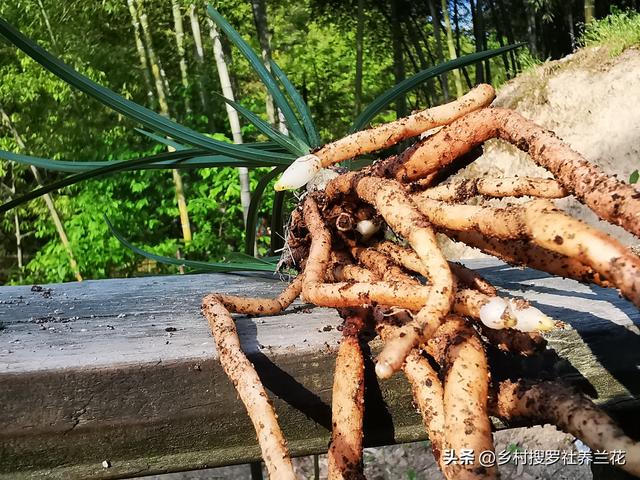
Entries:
{"x":92,"y":49}
{"x":513,"y":448}
{"x":289,"y":143}
{"x":318,"y":55}
{"x":248,"y":263}
{"x":634,"y":177}
{"x":412,"y":82}
{"x":98,"y":252}
{"x":527,"y":61}
{"x":618,"y":31}
{"x":131,"y":109}
{"x":256,"y":64}
{"x":109,"y":169}
{"x":303,"y":109}
{"x":411,"y":474}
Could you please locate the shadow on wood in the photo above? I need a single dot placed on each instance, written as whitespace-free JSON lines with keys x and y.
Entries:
{"x":125,"y":371}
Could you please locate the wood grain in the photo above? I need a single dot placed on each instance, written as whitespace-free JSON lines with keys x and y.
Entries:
{"x":125,"y":370}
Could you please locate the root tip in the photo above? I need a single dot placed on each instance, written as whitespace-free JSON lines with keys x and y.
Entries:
{"x":384,"y":370}
{"x":299,"y":173}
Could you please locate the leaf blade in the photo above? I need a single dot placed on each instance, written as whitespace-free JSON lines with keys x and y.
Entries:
{"x":195,"y":159}
{"x":162,"y":140}
{"x":406,"y":85}
{"x":252,"y":213}
{"x":260,"y":69}
{"x":300,"y":104}
{"x":260,"y":266}
{"x":120,"y":104}
{"x":114,"y":167}
{"x":265,"y":128}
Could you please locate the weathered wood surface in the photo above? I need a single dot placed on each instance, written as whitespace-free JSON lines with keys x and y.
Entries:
{"x":125,"y":371}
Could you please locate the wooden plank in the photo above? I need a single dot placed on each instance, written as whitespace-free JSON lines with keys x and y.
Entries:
{"x":125,"y":371}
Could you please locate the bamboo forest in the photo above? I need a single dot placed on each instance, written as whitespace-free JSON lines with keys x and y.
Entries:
{"x":172,"y":58}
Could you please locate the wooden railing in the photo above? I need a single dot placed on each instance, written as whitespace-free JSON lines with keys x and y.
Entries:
{"x":118,"y":378}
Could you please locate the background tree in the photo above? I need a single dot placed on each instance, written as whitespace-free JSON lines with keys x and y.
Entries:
{"x":339,"y":54}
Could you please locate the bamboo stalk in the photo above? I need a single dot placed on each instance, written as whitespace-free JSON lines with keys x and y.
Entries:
{"x":161,"y":90}
{"x":45,"y":16}
{"x":262,"y":27}
{"x":153,"y":60}
{"x":232,"y":114}
{"x":197,"y":40}
{"x":436,"y":33}
{"x":48,"y":199}
{"x":452,"y":49}
{"x":142,"y":57}
{"x":179,"y":34}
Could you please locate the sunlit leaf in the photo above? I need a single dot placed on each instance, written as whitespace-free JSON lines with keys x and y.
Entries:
{"x":256,"y":265}
{"x":128,"y":108}
{"x":412,"y":82}
{"x":264,"y":74}
{"x":254,"y":207}
{"x":300,"y":104}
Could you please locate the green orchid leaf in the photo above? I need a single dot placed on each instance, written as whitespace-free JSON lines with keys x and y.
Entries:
{"x":285,"y":142}
{"x":256,"y":265}
{"x":252,"y":214}
{"x":113,"y":167}
{"x":412,"y":82}
{"x":160,"y":139}
{"x":240,"y":257}
{"x":300,"y":104}
{"x":264,"y":74}
{"x":126,"y":107}
{"x":192,"y":159}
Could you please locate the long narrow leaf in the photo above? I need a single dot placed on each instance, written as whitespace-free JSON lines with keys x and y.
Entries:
{"x":267,"y":129}
{"x":277,"y":221}
{"x":110,"y":169}
{"x":258,"y":265}
{"x":160,"y":139}
{"x":240,"y":257}
{"x":120,"y":104}
{"x":403,"y":87}
{"x":254,"y":207}
{"x":300,"y":104}
{"x":194,"y":159}
{"x":271,"y":146}
{"x":264,"y":74}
